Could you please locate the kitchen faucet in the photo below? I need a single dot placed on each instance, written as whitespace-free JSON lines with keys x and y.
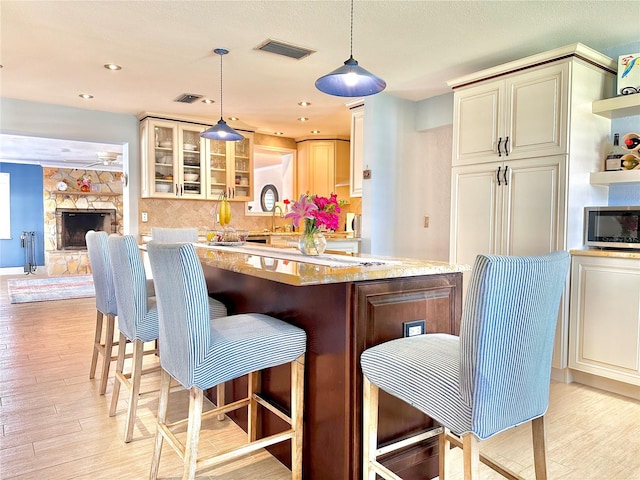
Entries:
{"x":273,"y":216}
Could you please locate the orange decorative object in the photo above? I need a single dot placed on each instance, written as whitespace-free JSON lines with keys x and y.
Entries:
{"x":85,"y":188}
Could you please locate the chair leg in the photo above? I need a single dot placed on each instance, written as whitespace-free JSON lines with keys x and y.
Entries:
{"x":134,"y":391}
{"x":253,"y":382}
{"x":107,"y":352}
{"x":297,"y":417}
{"x":220,"y":394}
{"x":97,"y":340}
{"x":122,"y":343}
{"x":443,"y":453}
{"x":165,"y":387}
{"x":539,"y":448}
{"x":471,"y":455}
{"x":193,"y":433}
{"x":369,"y":428}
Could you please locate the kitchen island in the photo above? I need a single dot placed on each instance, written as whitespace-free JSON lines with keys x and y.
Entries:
{"x":345,"y":304}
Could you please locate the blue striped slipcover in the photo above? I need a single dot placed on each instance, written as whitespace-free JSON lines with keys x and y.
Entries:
{"x":101,"y":272}
{"x":496,"y":374}
{"x":200,"y":353}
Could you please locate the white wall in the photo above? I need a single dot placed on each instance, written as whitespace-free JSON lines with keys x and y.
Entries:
{"x":21,"y":117}
{"x":410,"y":176}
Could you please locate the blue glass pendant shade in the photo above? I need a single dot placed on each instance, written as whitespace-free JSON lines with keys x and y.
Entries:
{"x":350,"y":80}
{"x":221,"y":131}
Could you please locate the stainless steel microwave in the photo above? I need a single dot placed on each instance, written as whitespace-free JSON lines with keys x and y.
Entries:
{"x":612,"y":227}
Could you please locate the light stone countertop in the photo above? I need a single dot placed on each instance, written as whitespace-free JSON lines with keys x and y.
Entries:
{"x":301,"y":273}
{"x":597,"y":252}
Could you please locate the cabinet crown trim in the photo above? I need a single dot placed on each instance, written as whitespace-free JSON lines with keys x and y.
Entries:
{"x":577,"y":50}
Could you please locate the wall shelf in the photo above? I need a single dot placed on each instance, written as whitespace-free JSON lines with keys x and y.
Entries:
{"x":617,"y":107}
{"x":608,"y":178}
{"x":85,"y":194}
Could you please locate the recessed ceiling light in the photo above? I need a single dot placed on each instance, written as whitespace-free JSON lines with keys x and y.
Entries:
{"x":315,"y":131}
{"x":233,"y":119}
{"x":208,"y":101}
{"x":303,"y":119}
{"x":86,"y":96}
{"x":278,"y":133}
{"x":304,"y":104}
{"x":112,"y":66}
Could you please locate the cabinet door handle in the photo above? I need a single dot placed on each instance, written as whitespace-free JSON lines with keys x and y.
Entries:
{"x":506,"y":149}
{"x":499,"y":142}
{"x":177,"y":194}
{"x":505,"y":174}
{"x":498,"y":176}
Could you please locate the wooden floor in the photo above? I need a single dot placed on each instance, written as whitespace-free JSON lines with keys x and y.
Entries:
{"x":56,"y":426}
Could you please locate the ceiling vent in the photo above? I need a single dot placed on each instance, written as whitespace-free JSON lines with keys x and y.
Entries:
{"x":187,"y":98}
{"x":284,"y":49}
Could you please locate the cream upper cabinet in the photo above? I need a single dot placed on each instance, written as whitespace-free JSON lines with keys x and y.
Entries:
{"x":173,"y":163}
{"x":230,"y":168}
{"x":520,"y":115}
{"x":356,"y":163}
{"x":178,"y":163}
{"x":605,"y":317}
{"x":318,"y":162}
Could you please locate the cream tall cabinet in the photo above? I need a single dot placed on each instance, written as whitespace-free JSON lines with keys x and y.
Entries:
{"x":525,"y":141}
{"x":319,"y":165}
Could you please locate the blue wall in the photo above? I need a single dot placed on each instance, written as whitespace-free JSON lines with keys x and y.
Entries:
{"x":27,"y":212}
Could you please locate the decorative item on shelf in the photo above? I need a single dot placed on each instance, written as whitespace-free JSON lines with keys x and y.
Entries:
{"x":350,"y":80}
{"x":317,"y":213}
{"x":61,"y":186}
{"x":221,"y":131}
{"x":84,"y":183}
{"x":629,"y":74}
{"x":631,"y":141}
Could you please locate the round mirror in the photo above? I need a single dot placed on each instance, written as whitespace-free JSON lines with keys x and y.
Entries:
{"x":268,"y":198}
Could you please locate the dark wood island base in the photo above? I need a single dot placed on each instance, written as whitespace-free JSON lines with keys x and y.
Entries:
{"x":341,"y":320}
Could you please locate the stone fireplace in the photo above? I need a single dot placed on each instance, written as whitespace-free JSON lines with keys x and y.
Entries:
{"x":100,"y":209}
{"x":72,"y":224}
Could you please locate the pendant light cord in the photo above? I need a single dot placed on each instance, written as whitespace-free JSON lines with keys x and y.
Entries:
{"x":351,"y":37}
{"x":220,"y":84}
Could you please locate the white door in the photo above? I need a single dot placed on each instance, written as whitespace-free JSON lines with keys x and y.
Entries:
{"x":532,"y":197}
{"x":475,"y":211}
{"x":478,"y":123}
{"x":536,"y":116}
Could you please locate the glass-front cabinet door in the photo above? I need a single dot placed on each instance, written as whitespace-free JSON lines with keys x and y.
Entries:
{"x":159,"y":140}
{"x":231,"y":169}
{"x":243,"y":169}
{"x":191,"y":162}
{"x":217,"y":153}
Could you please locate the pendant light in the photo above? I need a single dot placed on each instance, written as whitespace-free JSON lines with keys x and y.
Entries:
{"x":350,"y":80}
{"x":221,"y":131}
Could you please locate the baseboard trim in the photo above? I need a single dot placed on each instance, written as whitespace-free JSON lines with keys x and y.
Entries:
{"x":626,"y":389}
{"x":40,"y":270}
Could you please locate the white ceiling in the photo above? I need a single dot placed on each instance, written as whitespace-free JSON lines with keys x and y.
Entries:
{"x":52,"y":51}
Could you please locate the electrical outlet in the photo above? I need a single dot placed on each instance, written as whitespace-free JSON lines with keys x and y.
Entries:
{"x":426,"y":222}
{"x":415,"y":327}
{"x":145,"y":217}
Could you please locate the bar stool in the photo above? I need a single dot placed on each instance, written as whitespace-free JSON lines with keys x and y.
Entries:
{"x":493,"y":377}
{"x":105,"y":305}
{"x":164,"y":235}
{"x":201,"y":354}
{"x":138,"y":320}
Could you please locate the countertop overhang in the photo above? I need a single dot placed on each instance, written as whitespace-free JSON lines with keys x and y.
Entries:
{"x":261,"y":262}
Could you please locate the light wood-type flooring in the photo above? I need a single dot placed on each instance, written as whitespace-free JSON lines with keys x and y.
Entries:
{"x":54,"y":424}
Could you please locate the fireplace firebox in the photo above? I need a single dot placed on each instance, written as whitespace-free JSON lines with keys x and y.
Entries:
{"x":72,"y":224}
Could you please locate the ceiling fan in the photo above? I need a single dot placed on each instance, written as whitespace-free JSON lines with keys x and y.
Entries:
{"x":107,"y":159}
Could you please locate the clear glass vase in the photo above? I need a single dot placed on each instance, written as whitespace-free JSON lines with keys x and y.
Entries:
{"x":312,"y":243}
